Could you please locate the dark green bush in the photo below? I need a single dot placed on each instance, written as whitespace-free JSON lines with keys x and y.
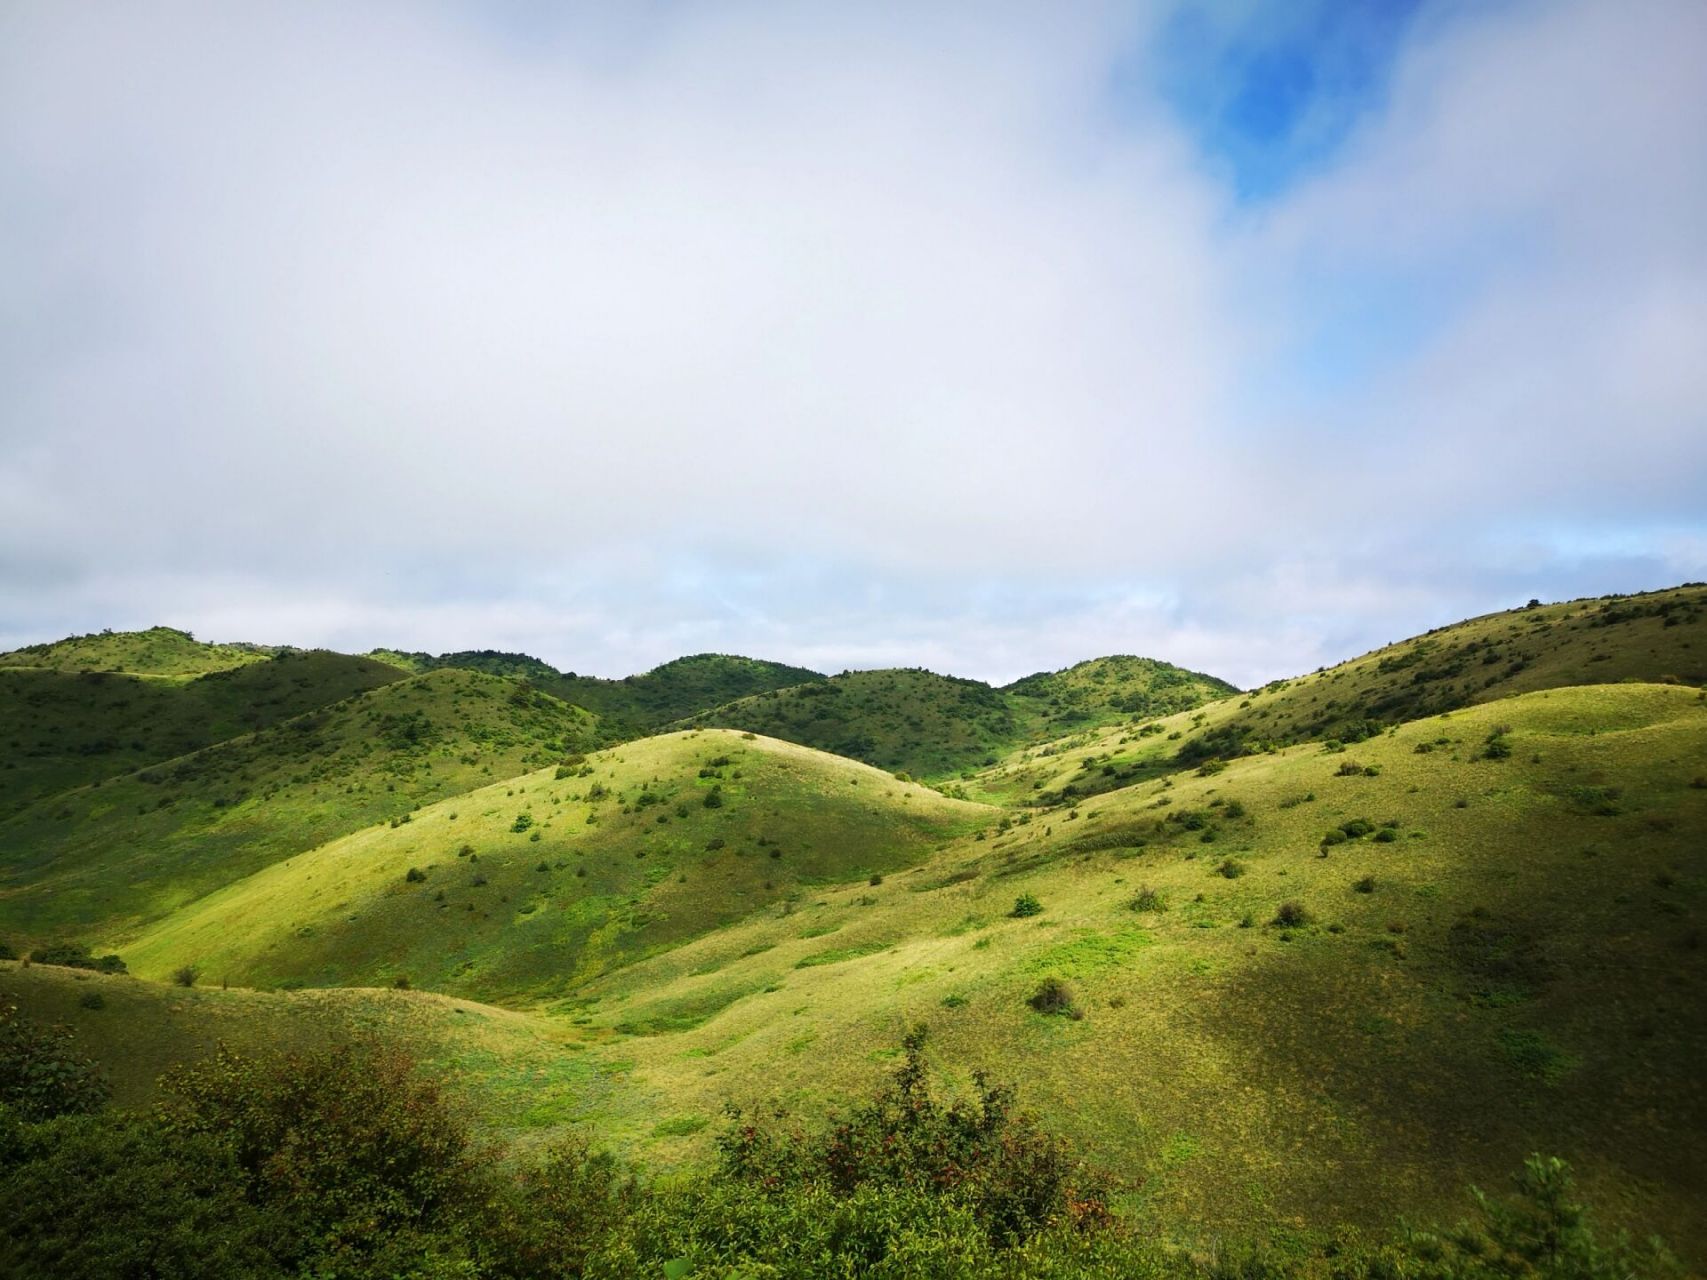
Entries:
{"x":1291,"y":915}
{"x":41,"y":1074}
{"x":1054,"y":996}
{"x":1026,"y":905}
{"x":73,"y":955}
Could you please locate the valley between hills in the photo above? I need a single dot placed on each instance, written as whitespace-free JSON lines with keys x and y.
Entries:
{"x":1280,"y":961}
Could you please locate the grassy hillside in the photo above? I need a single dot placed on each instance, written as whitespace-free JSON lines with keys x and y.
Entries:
{"x":912,"y":721}
{"x":66,"y":729}
{"x":528,"y":888}
{"x":1509,"y":957}
{"x":512,"y":1073}
{"x":1053,"y":703}
{"x":930,"y":726}
{"x":159,"y":651}
{"x":104,"y":858}
{"x":635,"y":705}
{"x":1657,"y":637}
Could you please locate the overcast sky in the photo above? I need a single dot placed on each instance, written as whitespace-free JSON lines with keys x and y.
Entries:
{"x":979,"y":337}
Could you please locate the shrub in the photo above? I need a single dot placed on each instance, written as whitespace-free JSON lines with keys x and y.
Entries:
{"x":414,"y":875}
{"x":75,"y":955}
{"x":1148,"y":899}
{"x":92,"y":1000}
{"x":714,"y":798}
{"x":1348,"y":769}
{"x":41,"y":1075}
{"x":522,"y":823}
{"x":1231,"y":868}
{"x":1026,"y":905}
{"x":185,"y":975}
{"x":875,"y":880}
{"x":1055,"y":997}
{"x":1365,"y":885}
{"x":1291,"y":915}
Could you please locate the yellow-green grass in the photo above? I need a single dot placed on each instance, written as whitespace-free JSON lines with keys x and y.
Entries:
{"x":526,"y":889}
{"x":159,"y":651}
{"x":102,"y":860}
{"x":1657,"y":636}
{"x":513,"y":1074}
{"x":1527,"y":973}
{"x":65,"y":729}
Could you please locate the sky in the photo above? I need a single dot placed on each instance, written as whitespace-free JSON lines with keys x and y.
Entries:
{"x":982,"y":337}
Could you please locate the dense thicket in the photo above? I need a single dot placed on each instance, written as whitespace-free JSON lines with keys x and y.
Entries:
{"x":345,"y":1162}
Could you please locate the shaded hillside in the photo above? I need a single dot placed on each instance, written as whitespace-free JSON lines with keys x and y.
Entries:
{"x":634,"y":705}
{"x":532,"y":886}
{"x":1053,"y":703}
{"x":65,"y":729}
{"x":909,"y":720}
{"x":159,"y":651}
{"x":99,"y":859}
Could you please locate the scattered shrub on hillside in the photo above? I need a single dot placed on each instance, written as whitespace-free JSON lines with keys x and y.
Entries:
{"x":713,"y":798}
{"x":6,"y":952}
{"x":414,"y":875}
{"x":1348,"y":769}
{"x":875,"y":880}
{"x":1365,"y":885}
{"x":41,"y":1075}
{"x":92,"y":1000}
{"x":1147,"y":899}
{"x":401,"y":982}
{"x":1291,"y":915}
{"x":522,"y":823}
{"x":1231,"y":868}
{"x":1699,"y":782}
{"x":185,"y":975}
{"x":1055,"y":997}
{"x":1026,"y":905}
{"x":74,"y":955}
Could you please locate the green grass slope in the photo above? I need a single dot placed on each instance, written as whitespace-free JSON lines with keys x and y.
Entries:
{"x":1053,"y":703}
{"x":102,"y":859}
{"x":512,"y":1073}
{"x":910,"y":720}
{"x":1657,"y":637}
{"x":1505,"y":955}
{"x":635,"y":705}
{"x":526,"y":889}
{"x":159,"y":651}
{"x":66,"y":729}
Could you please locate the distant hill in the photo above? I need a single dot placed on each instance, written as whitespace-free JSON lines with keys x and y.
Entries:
{"x":909,"y":720}
{"x":105,"y":857}
{"x":64,"y":728}
{"x":932,"y":726}
{"x":634,"y":705}
{"x":159,"y":651}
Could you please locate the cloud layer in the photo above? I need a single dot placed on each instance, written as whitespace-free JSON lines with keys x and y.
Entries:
{"x":851,"y":336}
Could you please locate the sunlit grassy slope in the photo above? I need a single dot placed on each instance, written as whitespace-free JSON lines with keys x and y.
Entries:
{"x":1660,"y":636}
{"x":1508,"y":958}
{"x":1052,"y":703}
{"x":65,"y":728}
{"x":634,"y":705}
{"x":528,"y":888}
{"x":101,"y":859}
{"x":515,"y":1074}
{"x":159,"y":651}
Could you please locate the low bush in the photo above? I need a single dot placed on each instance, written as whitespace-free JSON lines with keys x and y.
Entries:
{"x":1291,"y":915}
{"x":1026,"y":905}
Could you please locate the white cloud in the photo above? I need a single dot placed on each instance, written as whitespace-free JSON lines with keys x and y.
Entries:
{"x":855,"y":335}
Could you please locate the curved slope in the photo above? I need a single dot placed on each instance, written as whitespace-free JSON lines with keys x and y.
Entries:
{"x":527,"y":888}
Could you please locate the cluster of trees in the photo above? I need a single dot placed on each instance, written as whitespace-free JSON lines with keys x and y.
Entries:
{"x":343,"y":1161}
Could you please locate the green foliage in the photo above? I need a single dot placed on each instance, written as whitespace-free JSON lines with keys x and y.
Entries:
{"x":1026,"y":905}
{"x":41,"y":1075}
{"x":75,"y":955}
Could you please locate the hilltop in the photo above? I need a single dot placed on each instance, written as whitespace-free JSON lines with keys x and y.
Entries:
{"x":158,"y":651}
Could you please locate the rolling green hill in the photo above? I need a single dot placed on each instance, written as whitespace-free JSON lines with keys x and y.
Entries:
{"x":913,"y":721}
{"x":103,"y":858}
{"x":70,"y":728}
{"x":1281,"y":962}
{"x":528,"y":888}
{"x":159,"y":651}
{"x":1054,"y":703}
{"x":917,"y":722}
{"x":634,"y":705}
